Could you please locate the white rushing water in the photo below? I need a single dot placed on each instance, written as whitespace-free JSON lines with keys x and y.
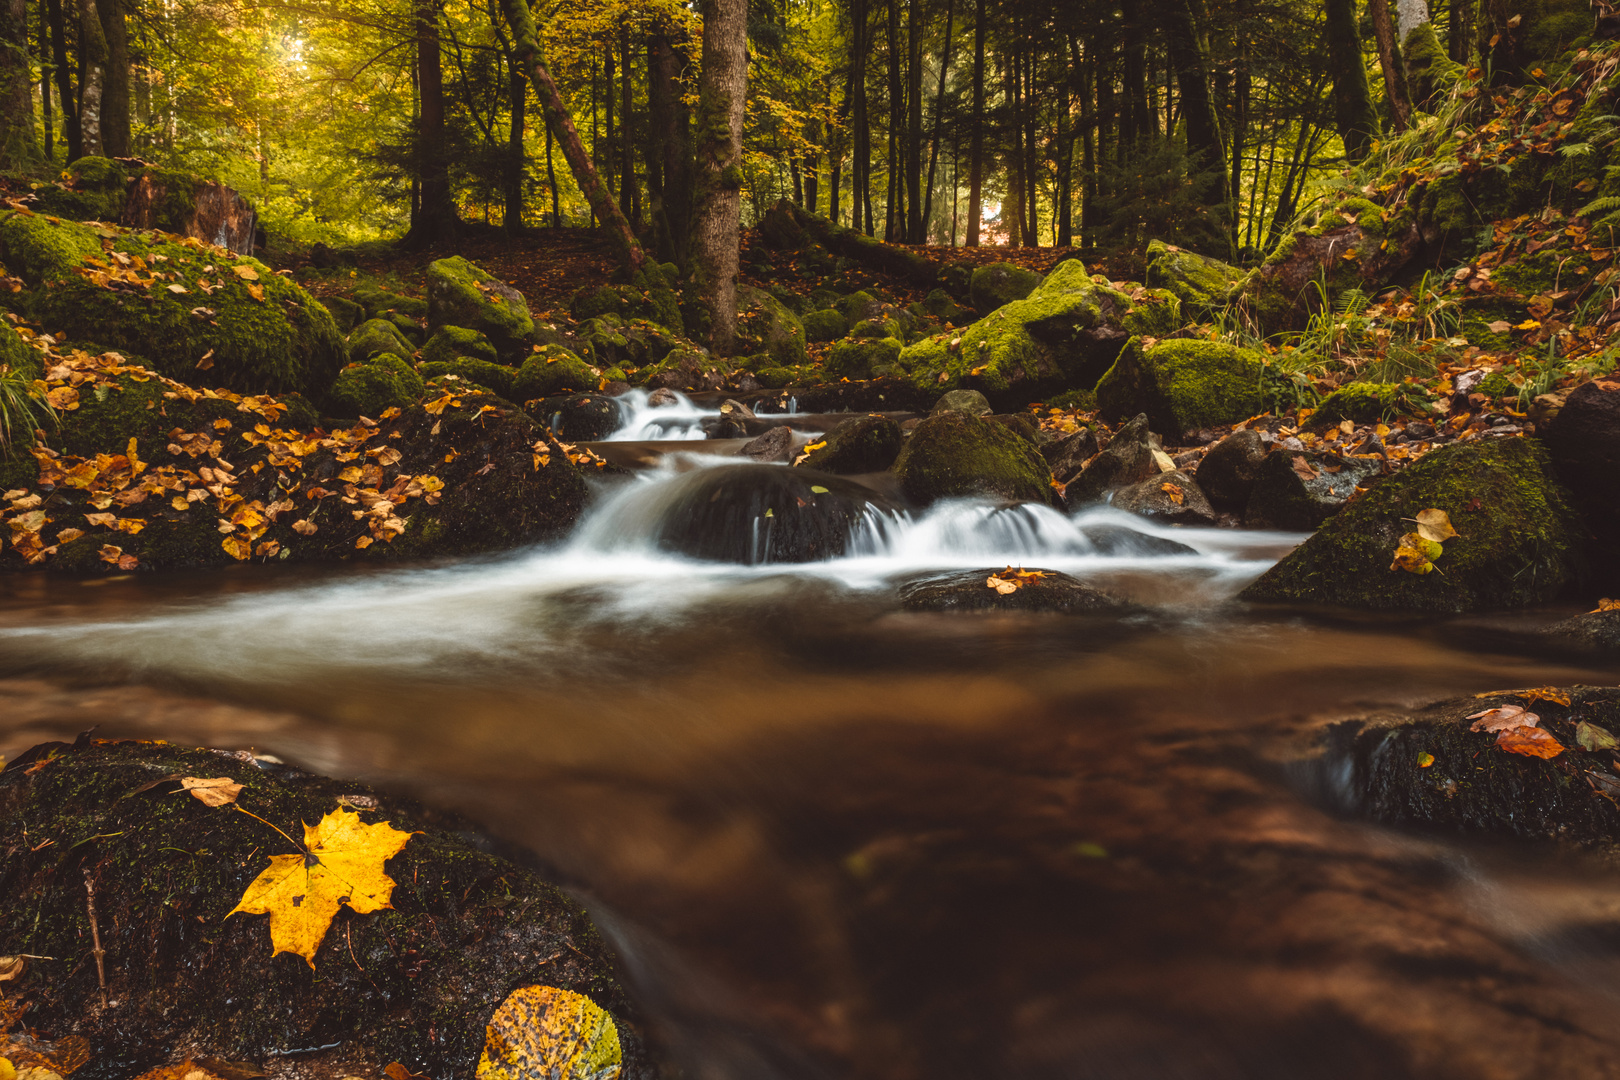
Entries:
{"x":641,"y":422}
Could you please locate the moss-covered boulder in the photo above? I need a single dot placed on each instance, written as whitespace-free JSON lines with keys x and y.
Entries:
{"x":375,"y":336}
{"x":462,"y":294}
{"x":379,"y":301}
{"x":1000,"y":284}
{"x":1068,"y":332}
{"x":177,"y":303}
{"x":650,"y":295}
{"x":91,"y":189}
{"x":498,"y":378}
{"x":953,"y":455}
{"x":452,"y":342}
{"x":1361,"y":402}
{"x":345,"y":312}
{"x":1296,"y":491}
{"x":380,"y":382}
{"x":828,"y":325}
{"x":16,"y":354}
{"x":1202,"y":284}
{"x":861,"y":444}
{"x":1519,"y":539}
{"x":552,"y":370}
{"x":939,"y":305}
{"x":415,"y":982}
{"x":858,"y":358}
{"x":860,"y":306}
{"x":692,"y":367}
{"x":1184,"y":385}
{"x":970,"y":402}
{"x":764,"y":324}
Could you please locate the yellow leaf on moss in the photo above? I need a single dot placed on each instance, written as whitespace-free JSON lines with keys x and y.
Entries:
{"x":543,"y":1033}
{"x":1435,"y":525}
{"x":217,"y":791}
{"x":342,"y":864}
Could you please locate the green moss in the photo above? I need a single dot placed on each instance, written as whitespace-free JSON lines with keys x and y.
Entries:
{"x":858,"y":306}
{"x":862,"y":444}
{"x":98,"y":190}
{"x":345,"y":312}
{"x":1184,"y":385}
{"x":955,"y":455}
{"x":450,"y":342}
{"x":875,"y":328}
{"x":409,"y":329}
{"x":378,"y":301}
{"x":1520,"y":540}
{"x":17,"y":355}
{"x":552,"y":370}
{"x":764,"y":324}
{"x":1496,"y":385}
{"x":1362,"y":402}
{"x":1156,"y":313}
{"x":863,"y":358}
{"x":998,"y":284}
{"x":939,"y":304}
{"x":822,"y":326}
{"x":498,"y":378}
{"x":38,"y":251}
{"x":377,"y":336}
{"x":462,"y":294}
{"x":369,"y":388}
{"x":1202,"y":284}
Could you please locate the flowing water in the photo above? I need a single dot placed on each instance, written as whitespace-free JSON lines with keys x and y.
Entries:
{"x":831,"y":838}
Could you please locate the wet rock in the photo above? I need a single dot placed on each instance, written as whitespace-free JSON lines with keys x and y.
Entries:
{"x":1184,"y":385}
{"x":662,"y":397}
{"x":1584,"y":441}
{"x":1228,"y":472}
{"x":1022,"y":425}
{"x":1520,"y":538}
{"x":1297,"y":491}
{"x":762,"y":514}
{"x":462,"y":294}
{"x":765,"y":325}
{"x":1172,"y":497}
{"x":1000,"y":284}
{"x":953,"y":454}
{"x":1472,"y":786}
{"x":1129,"y":459}
{"x":1111,"y":539}
{"x":416,"y":982}
{"x":1068,"y":455}
{"x":1594,"y":631}
{"x":579,"y":417}
{"x":687,"y":368}
{"x":775,"y":445}
{"x":861,"y":444}
{"x":968,"y":591}
{"x":733,"y":407}
{"x":864,"y":358}
{"x":969,"y":402}
{"x":1202,"y":284}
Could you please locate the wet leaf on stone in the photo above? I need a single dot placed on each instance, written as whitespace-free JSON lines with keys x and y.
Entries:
{"x":1435,"y":525}
{"x":1503,"y":718}
{"x":1592,"y":737}
{"x":1529,"y":741}
{"x":342,"y":863}
{"x":544,"y":1033}
{"x":1425,"y":759}
{"x":219,"y":791}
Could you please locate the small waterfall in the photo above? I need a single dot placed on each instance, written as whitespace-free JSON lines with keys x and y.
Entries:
{"x":640,"y":422}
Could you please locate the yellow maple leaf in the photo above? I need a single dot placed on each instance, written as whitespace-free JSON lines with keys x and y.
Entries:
{"x":342,"y":863}
{"x":544,"y":1031}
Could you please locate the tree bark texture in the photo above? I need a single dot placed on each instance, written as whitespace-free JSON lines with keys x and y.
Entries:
{"x":16,"y":98}
{"x":518,"y":99}
{"x":1389,"y":59}
{"x":915,"y":225}
{"x":1409,"y":15}
{"x":115,"y":133}
{"x":1353,"y":112}
{"x":92,"y":75}
{"x":722,"y":88}
{"x":669,"y":174}
{"x":976,"y":147}
{"x":64,"y":80}
{"x":436,"y":218}
{"x":525,"y":46}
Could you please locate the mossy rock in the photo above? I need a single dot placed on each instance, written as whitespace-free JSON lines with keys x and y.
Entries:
{"x":498,"y":378}
{"x":366,"y":389}
{"x":345,"y":312}
{"x":826,"y":325}
{"x":860,"y":306}
{"x":1066,"y":333}
{"x":97,"y":189}
{"x":1202,"y":284}
{"x":449,"y":343}
{"x":953,"y":455}
{"x":1362,"y":402}
{"x":1154,"y":313}
{"x":939,"y":305}
{"x":462,"y":294}
{"x":409,"y":328}
{"x":999,"y":284}
{"x":286,"y":341}
{"x":379,"y":301}
{"x":858,"y":359}
{"x":1184,"y":385}
{"x":861,"y":444}
{"x":764,"y":324}
{"x":415,"y":982}
{"x":376,"y":336}
{"x":16,"y":354}
{"x":872,"y":329}
{"x":648,"y":297}
{"x":1519,"y":539}
{"x":552,"y":370}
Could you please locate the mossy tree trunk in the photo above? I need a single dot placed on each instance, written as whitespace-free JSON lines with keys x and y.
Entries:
{"x":526,"y":47}
{"x":16,"y":103}
{"x":1400,"y":102}
{"x":721,"y":91}
{"x":1352,"y":99}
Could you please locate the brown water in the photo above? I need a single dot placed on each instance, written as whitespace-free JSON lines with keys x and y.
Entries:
{"x":836,"y":840}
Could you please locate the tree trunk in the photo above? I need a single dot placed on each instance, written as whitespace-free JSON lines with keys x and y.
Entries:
{"x":1189,"y":56}
{"x":1065,"y":149}
{"x":526,"y":48}
{"x":915,"y":225}
{"x":722,"y":88}
{"x":669,"y":174}
{"x":1012,"y":210}
{"x":92,"y":75}
{"x":894,"y":221}
{"x":17,"y":145}
{"x":64,"y":81}
{"x":861,"y":155}
{"x":939,"y":117}
{"x":115,"y":93}
{"x":551,"y":181}
{"x":629,"y":190}
{"x":1389,"y":59}
{"x":1459,"y":29}
{"x":1135,"y":117}
{"x":436,"y":218}
{"x":518,"y":99}
{"x":976,"y":147}
{"x":1353,"y":112}
{"x":48,"y":146}
{"x":1409,"y":15}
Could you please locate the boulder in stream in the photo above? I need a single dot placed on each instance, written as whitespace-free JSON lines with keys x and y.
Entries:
{"x":954,"y":455}
{"x":1584,"y":440}
{"x":1068,"y":455}
{"x":1592,"y":632}
{"x":578,"y":417}
{"x":1030,"y":590}
{"x":1172,"y":497}
{"x":414,"y":982}
{"x":1184,"y":385}
{"x":861,"y":444}
{"x":1132,"y":456}
{"x":1228,"y":472}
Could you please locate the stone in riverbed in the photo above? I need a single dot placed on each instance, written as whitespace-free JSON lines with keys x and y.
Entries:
{"x":1172,"y":497}
{"x":1068,"y":455}
{"x":953,"y":455}
{"x":1184,"y":385}
{"x":1297,"y":491}
{"x":1595,"y":631}
{"x":578,"y":417}
{"x":1228,"y":472}
{"x":969,"y":591}
{"x":970,"y":402}
{"x":1129,"y":459}
{"x":861,"y":444}
{"x":1584,"y":441}
{"x":775,"y":445}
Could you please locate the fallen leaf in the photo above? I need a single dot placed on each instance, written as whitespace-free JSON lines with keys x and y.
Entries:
{"x":1177,"y":496}
{"x":1500,"y":326}
{"x":1591,"y":737}
{"x":305,"y":527}
{"x":1435,"y":525}
{"x":342,"y":863}
{"x":11,"y":967}
{"x":1001,"y":585}
{"x":817,"y":489}
{"x":1503,"y":718}
{"x":1606,"y":605}
{"x":1529,"y":741}
{"x":257,"y":292}
{"x":544,"y":1032}
{"x":245,"y":272}
{"x":1425,"y":759}
{"x":219,"y":791}
{"x":1411,"y":560}
{"x":1544,"y":693}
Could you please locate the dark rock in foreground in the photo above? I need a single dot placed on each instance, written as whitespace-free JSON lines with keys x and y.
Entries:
{"x":968,"y":591}
{"x":1595,"y":631}
{"x":414,"y":984}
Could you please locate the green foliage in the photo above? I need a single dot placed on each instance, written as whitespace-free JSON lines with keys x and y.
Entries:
{"x":552,"y":370}
{"x":498,"y":378}
{"x":368,"y":389}
{"x":22,"y":409}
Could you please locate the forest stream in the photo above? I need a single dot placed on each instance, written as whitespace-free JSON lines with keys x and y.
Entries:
{"x":829,"y":837}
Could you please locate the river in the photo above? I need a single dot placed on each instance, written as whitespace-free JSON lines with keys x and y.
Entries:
{"x":832,"y":838}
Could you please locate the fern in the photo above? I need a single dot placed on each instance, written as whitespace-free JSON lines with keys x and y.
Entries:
{"x":1580,"y":149}
{"x":1604,"y":204}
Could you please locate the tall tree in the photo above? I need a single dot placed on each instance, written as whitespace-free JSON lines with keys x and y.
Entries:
{"x":17,"y":144}
{"x":115,"y":93}
{"x":1352,"y":99}
{"x":435,"y":219}
{"x":64,"y":80}
{"x":92,"y":75}
{"x":526,"y":47}
{"x":669,"y":171}
{"x":915,"y":225}
{"x":976,"y":150}
{"x":1189,"y":56}
{"x":939,"y":120}
{"x":722,"y":90}
{"x":1389,"y":59}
